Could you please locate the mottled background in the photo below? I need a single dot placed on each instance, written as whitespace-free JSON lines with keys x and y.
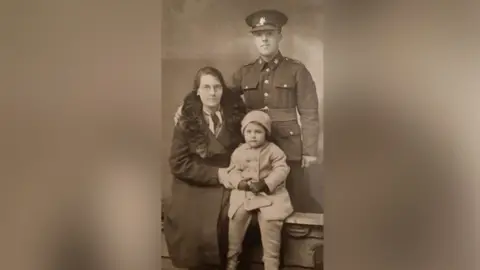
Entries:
{"x":196,"y":33}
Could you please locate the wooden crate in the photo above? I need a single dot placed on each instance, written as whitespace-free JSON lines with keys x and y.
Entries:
{"x":302,"y":241}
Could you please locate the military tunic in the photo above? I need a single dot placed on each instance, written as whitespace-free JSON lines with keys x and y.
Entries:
{"x":280,"y":88}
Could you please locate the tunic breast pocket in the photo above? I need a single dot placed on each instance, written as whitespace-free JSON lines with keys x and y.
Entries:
{"x":285,"y":92}
{"x":288,"y":136}
{"x":253,"y":95}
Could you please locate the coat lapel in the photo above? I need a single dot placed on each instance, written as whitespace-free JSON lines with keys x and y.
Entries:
{"x":224,"y":137}
{"x":218,"y":144}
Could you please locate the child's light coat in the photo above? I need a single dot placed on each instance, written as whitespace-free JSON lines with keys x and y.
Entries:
{"x":267,"y":162}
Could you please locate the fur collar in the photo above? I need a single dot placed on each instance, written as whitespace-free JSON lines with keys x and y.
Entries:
{"x":194,"y":125}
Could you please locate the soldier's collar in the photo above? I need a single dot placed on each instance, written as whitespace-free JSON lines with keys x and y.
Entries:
{"x":272,"y":63}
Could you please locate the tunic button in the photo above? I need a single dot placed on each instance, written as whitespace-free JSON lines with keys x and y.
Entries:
{"x":267,"y":70}
{"x":246,"y":86}
{"x":266,"y":94}
{"x":291,"y":132}
{"x":284,"y":85}
{"x":266,"y":81}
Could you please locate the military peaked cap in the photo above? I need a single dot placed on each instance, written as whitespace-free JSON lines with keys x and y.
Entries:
{"x":266,"y":19}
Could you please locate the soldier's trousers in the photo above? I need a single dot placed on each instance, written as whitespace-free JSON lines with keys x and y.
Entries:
{"x":300,"y":189}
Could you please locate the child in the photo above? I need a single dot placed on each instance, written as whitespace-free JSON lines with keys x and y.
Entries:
{"x":257,"y":175}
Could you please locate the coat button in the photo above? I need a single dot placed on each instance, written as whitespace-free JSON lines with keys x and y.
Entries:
{"x":266,"y":81}
{"x":285,"y":85}
{"x":266,"y":94}
{"x":267,"y":70}
{"x":291,"y":132}
{"x":246,"y":86}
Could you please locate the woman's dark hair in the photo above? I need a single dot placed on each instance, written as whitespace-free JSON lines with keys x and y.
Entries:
{"x":208,"y":70}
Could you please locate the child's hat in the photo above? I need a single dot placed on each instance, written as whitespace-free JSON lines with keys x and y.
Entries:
{"x":259,"y":117}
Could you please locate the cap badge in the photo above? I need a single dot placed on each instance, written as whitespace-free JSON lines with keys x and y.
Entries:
{"x":262,"y":21}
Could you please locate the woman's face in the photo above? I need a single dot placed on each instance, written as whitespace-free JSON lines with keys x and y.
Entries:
{"x":210,"y":91}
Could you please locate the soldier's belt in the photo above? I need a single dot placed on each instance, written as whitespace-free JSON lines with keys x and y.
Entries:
{"x":289,"y":114}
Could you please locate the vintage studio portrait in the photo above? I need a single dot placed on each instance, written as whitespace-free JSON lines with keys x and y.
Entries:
{"x":242,"y":111}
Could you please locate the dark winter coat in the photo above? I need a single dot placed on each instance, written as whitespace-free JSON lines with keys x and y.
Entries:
{"x":196,"y":221}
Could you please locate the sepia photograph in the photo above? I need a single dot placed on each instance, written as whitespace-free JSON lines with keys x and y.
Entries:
{"x":242,"y":122}
{"x":216,"y":135}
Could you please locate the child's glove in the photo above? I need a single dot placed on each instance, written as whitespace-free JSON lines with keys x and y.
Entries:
{"x":259,"y":186}
{"x":243,"y":185}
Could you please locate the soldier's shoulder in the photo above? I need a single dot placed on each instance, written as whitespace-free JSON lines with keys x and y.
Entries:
{"x":249,"y":64}
{"x":244,"y":67}
{"x":294,"y":62}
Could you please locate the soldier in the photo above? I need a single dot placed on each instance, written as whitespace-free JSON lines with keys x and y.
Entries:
{"x":281,"y":87}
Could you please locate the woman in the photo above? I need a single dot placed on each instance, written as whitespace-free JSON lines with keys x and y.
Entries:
{"x":207,"y":132}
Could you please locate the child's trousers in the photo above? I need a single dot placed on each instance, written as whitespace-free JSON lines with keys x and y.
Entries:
{"x":271,"y":231}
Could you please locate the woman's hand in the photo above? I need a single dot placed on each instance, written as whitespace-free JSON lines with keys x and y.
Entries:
{"x":223,"y":178}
